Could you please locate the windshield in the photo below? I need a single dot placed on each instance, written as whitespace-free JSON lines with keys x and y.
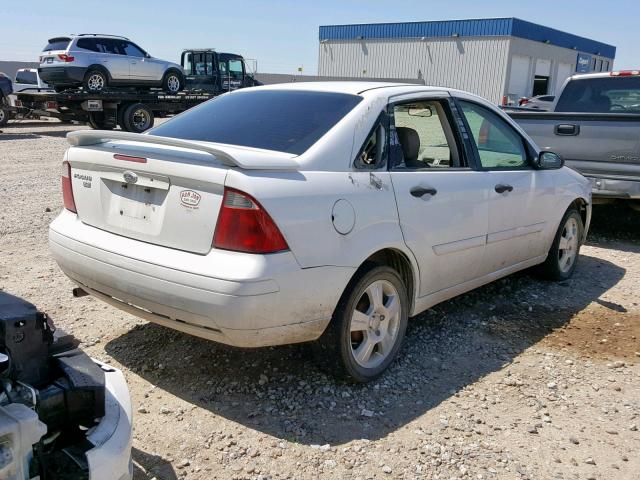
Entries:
{"x":285,"y":121}
{"x":601,"y":95}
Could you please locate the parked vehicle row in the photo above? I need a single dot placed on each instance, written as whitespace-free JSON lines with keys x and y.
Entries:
{"x":595,"y":126}
{"x":332,"y":213}
{"x":105,"y":103}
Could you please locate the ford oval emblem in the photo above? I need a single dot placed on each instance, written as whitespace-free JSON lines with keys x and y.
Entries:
{"x":130,"y":177}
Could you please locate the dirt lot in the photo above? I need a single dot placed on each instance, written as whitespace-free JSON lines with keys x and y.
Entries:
{"x":520,"y":379}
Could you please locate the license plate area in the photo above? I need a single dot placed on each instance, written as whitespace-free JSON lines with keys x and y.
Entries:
{"x":48,"y":60}
{"x":133,"y":208}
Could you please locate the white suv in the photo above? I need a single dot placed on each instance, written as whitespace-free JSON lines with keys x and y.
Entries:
{"x":321,"y":211}
{"x":100,"y":61}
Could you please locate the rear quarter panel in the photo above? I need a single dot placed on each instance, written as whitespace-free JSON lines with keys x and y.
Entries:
{"x":302,"y":203}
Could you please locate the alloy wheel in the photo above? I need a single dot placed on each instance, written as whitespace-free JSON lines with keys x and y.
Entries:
{"x":173,"y":83}
{"x":95,"y":82}
{"x":375,"y":324}
{"x":568,"y":246}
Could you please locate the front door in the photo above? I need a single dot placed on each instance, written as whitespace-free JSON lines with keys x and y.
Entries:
{"x":519,"y":196}
{"x":442,"y":202}
{"x":141,"y":66}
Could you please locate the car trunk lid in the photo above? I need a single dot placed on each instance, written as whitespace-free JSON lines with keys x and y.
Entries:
{"x":155,"y":189}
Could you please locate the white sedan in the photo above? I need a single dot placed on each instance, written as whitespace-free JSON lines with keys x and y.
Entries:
{"x":326,"y":212}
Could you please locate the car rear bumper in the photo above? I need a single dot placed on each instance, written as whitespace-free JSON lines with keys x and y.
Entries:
{"x":607,"y":187}
{"x":110,"y":458}
{"x":239,"y":299}
{"x":62,"y":75}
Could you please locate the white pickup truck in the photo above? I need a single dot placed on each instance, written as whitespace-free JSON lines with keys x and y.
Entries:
{"x":594,"y":125}
{"x":28,"y":79}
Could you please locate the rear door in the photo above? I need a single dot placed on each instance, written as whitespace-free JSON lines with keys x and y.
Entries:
{"x":442,"y":202}
{"x":520,"y":198}
{"x":114,"y":59}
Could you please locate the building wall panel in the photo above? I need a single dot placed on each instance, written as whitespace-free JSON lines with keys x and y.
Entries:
{"x":477,"y":64}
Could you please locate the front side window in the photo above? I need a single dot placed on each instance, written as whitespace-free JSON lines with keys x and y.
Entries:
{"x":131,"y":50}
{"x":280,"y":120}
{"x":235,"y":68}
{"x":498,"y":144}
{"x":423,"y":133}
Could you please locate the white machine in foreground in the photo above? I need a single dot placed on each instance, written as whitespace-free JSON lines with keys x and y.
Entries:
{"x":62,"y":414}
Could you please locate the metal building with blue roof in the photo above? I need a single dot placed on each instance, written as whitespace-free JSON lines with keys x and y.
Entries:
{"x":496,"y":57}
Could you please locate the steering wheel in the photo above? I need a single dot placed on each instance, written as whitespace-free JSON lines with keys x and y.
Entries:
{"x":617,"y":106}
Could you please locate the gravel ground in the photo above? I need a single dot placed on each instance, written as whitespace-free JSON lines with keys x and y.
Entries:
{"x":520,"y":379}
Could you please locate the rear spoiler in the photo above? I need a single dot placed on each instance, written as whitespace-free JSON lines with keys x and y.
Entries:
{"x":83,"y":138}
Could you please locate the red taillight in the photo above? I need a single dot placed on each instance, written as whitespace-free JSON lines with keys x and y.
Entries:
{"x":65,"y":58}
{"x":244,"y":226}
{"x":67,"y":191}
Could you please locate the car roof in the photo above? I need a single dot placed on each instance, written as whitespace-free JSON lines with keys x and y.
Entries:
{"x":351,"y":87}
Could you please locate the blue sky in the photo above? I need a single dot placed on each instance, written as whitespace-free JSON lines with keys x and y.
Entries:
{"x":283,"y":35}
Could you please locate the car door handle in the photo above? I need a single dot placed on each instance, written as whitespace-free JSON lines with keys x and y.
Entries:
{"x":566,"y":129}
{"x":421,"y":191}
{"x":501,"y":188}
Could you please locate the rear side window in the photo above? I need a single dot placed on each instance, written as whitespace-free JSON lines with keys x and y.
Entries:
{"x":601,"y":95}
{"x":285,"y":121}
{"x":26,"y":77}
{"x":88,"y":44}
{"x":56,"y":44}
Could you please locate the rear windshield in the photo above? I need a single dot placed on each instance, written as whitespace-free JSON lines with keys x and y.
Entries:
{"x":27,"y":77}
{"x":56,"y":44}
{"x":285,"y":121}
{"x":601,"y":95}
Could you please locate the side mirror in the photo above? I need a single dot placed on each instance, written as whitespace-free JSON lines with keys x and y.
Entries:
{"x":549,"y":161}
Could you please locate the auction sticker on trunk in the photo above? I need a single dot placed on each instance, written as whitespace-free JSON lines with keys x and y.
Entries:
{"x":190,"y":199}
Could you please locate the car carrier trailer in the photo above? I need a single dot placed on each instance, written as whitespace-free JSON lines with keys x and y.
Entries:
{"x":132,"y":111}
{"x":207,"y":74}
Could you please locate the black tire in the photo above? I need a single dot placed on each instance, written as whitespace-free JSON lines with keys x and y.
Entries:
{"x":334,"y":350}
{"x":97,"y":121}
{"x":95,"y":80}
{"x":137,"y":118}
{"x":173,"y":81}
{"x":554,"y":267}
{"x":4,"y":117}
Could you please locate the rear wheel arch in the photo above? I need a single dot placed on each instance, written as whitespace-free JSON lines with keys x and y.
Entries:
{"x":102,"y":68}
{"x":400,"y":262}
